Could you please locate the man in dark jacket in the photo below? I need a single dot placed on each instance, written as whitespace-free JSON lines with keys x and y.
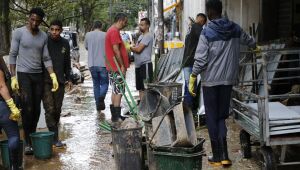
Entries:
{"x":191,"y":42}
{"x":59,"y":51}
{"x":217,"y":59}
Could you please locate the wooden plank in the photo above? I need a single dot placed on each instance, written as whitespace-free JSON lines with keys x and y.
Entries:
{"x":165,"y":134}
{"x":182,"y":138}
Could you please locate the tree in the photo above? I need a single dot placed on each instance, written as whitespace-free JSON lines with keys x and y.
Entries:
{"x":4,"y":27}
{"x":79,"y":13}
{"x":131,"y":8}
{"x":53,"y":9}
{"x":88,"y":8}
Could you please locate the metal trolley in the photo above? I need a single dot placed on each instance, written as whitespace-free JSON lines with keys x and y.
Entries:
{"x":260,"y":112}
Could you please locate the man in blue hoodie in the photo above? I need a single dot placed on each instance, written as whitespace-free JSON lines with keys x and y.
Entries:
{"x":217,"y":59}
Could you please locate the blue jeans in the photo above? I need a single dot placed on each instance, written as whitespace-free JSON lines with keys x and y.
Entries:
{"x":12,"y":132}
{"x":100,"y":82}
{"x":188,"y":99}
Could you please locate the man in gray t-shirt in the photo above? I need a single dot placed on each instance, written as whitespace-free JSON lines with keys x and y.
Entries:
{"x":95,"y":44}
{"x":27,"y":55}
{"x":142,"y":56}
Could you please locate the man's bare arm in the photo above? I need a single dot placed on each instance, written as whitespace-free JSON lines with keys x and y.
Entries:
{"x":117,"y":52}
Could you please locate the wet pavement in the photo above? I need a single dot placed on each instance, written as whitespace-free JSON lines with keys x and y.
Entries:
{"x":89,"y":147}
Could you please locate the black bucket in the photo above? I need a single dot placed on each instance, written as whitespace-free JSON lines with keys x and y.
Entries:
{"x":153,"y":104}
{"x":127,"y":147}
{"x":173,"y":91}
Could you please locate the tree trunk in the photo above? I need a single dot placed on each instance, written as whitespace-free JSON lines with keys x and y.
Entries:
{"x":87,"y":10}
{"x":4,"y":27}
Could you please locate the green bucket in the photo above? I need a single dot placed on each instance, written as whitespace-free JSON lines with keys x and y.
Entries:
{"x":42,"y":144}
{"x":178,"y":161}
{"x":5,"y":154}
{"x":179,"y":158}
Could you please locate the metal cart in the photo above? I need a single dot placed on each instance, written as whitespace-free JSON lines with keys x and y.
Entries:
{"x":260,"y":112}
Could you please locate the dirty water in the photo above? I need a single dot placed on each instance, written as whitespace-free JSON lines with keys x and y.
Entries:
{"x":89,"y":148}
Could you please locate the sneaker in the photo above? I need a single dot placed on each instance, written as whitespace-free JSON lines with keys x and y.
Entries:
{"x":28,"y":150}
{"x":59,"y":144}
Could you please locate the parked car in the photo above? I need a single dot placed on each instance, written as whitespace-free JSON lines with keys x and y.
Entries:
{"x":72,"y":37}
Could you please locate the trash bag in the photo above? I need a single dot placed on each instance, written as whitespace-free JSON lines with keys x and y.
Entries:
{"x":76,"y":76}
{"x":153,"y":104}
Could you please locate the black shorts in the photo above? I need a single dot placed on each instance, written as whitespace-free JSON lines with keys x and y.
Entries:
{"x":143,"y":74}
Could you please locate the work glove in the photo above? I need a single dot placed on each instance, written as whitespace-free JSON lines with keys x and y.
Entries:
{"x":257,"y":49}
{"x":295,"y":89}
{"x":192,"y":81}
{"x":54,"y":82}
{"x":14,"y":83}
{"x":127,"y":46}
{"x":15,"y":112}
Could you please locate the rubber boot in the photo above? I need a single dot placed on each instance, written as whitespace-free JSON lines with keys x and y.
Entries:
{"x":101,"y":104}
{"x":118,"y":113}
{"x":215,"y":159}
{"x":114,"y":117}
{"x":224,"y":152}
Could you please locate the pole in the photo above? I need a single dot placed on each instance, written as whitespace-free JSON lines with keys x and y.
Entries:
{"x":148,"y":10}
{"x":160,"y":18}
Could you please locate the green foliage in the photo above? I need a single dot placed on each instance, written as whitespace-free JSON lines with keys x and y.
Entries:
{"x":81,"y":13}
{"x":53,"y":10}
{"x":131,"y":8}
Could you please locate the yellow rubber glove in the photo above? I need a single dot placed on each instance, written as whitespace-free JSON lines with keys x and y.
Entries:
{"x":257,"y":49}
{"x":15,"y":112}
{"x":127,"y":46}
{"x":192,"y":81}
{"x":54,"y":82}
{"x":14,"y":83}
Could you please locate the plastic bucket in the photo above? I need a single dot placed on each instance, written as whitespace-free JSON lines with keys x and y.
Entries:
{"x":42,"y":144}
{"x":179,"y":158}
{"x":178,"y":161}
{"x":5,"y":153}
{"x":127,"y":147}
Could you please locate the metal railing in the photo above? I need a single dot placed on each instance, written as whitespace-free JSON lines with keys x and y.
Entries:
{"x":258,"y":73}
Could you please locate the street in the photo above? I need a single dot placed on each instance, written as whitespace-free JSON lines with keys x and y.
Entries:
{"x":89,"y":148}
